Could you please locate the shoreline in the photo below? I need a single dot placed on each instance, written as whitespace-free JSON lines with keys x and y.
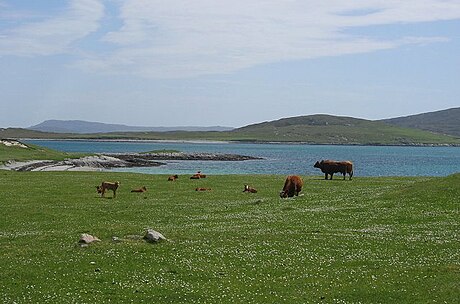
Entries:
{"x":204,"y":141}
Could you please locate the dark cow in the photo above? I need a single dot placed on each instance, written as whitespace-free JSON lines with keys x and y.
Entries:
{"x":249,"y":189}
{"x":292,"y":186}
{"x":329,"y":167}
{"x":109,"y":186}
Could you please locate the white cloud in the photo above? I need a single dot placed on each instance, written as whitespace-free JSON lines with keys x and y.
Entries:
{"x":53,"y":35}
{"x":176,"y":38}
{"x":187,"y":38}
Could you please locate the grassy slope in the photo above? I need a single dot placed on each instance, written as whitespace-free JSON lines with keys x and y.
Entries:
{"x":385,"y":240}
{"x":443,"y":122}
{"x":325,"y":129}
{"x":33,"y":152}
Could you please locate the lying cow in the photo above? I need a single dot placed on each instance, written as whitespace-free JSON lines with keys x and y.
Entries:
{"x":198,"y":175}
{"x":173,"y":178}
{"x":292,"y":186}
{"x":249,"y":189}
{"x":109,"y":186}
{"x":140,"y":190}
{"x":329,"y":167}
{"x":203,"y":189}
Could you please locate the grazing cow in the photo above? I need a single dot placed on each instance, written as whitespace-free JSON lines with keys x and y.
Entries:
{"x":329,"y":167}
{"x":141,"y":189}
{"x":292,"y":186}
{"x":203,"y":189}
{"x":249,"y":189}
{"x":109,"y":186}
{"x":173,"y":178}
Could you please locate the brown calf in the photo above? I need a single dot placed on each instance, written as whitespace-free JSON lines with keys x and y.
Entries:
{"x":109,"y":186}
{"x":173,"y":178}
{"x":141,"y":189}
{"x":249,"y":189}
{"x":203,"y":189}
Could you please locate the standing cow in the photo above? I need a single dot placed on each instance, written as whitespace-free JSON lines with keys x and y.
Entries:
{"x":109,"y":186}
{"x":292,"y":186}
{"x":329,"y":167}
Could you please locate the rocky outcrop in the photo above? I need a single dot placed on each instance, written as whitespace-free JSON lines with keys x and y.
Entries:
{"x":119,"y":160}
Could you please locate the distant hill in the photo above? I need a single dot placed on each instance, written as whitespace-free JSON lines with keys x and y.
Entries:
{"x":313,"y":129}
{"x":443,"y":122}
{"x":87,"y":127}
{"x":329,"y":129}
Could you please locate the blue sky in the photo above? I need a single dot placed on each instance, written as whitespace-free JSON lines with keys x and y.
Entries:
{"x":228,"y":63}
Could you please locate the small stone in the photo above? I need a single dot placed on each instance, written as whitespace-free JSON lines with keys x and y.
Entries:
{"x":116,"y":239}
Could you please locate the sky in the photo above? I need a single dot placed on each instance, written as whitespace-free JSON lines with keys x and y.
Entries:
{"x":226,"y":62}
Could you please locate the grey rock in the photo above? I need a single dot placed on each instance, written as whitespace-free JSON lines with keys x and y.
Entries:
{"x":153,"y":236}
{"x":88,"y":239}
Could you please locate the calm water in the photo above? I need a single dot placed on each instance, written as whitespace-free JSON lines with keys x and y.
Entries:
{"x":282,"y":158}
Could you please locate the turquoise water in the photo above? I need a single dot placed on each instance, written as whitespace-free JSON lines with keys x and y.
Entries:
{"x":282,"y":158}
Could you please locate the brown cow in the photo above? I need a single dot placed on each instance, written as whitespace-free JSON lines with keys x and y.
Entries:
{"x":249,"y":189}
{"x":329,"y":167}
{"x":292,"y":186}
{"x":173,"y":178}
{"x":109,"y":186}
{"x":141,"y":189}
{"x":203,"y":189}
{"x":198,"y":175}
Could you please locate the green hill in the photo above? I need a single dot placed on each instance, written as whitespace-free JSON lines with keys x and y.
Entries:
{"x":443,"y":122}
{"x":328,"y":129}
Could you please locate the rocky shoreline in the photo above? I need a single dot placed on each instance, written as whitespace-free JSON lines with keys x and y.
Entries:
{"x":119,"y":160}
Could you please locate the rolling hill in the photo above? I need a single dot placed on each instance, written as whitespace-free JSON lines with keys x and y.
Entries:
{"x":443,"y":122}
{"x":328,"y":129}
{"x":313,"y":129}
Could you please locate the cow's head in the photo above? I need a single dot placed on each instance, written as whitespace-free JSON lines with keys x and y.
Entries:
{"x":283,"y":194}
{"x":317,"y":165}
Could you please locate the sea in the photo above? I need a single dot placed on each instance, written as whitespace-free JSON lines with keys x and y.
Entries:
{"x":279,"y":158}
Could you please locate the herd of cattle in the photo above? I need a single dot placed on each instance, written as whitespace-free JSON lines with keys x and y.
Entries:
{"x":292,"y":185}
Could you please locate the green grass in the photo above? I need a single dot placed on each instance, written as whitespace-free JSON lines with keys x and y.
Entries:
{"x":370,"y":240}
{"x":32,"y":152}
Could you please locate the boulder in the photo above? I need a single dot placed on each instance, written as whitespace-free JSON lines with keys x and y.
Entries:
{"x":87,"y":239}
{"x":153,"y":236}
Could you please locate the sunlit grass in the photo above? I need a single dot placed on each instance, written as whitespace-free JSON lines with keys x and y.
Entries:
{"x":370,"y":240}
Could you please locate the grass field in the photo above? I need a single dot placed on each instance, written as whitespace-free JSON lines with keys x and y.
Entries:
{"x":370,"y":240}
{"x":33,"y":152}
